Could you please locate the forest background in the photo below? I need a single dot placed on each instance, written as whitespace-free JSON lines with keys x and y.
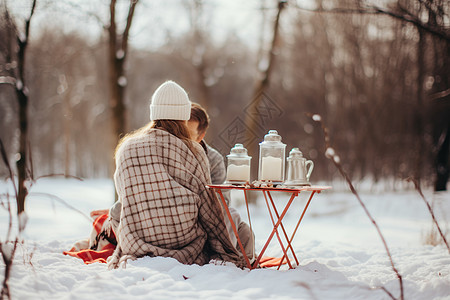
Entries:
{"x":377,"y":72}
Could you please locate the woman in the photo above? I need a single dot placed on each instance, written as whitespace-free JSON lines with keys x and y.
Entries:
{"x":161,"y":178}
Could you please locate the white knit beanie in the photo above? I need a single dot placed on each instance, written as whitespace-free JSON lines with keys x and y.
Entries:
{"x":170,"y":102}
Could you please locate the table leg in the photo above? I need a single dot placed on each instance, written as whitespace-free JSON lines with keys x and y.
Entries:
{"x":234,"y":229}
{"x":278,"y":235}
{"x":284,"y":230}
{"x":299,"y":221}
{"x":250,"y":224}
{"x":275,"y":228}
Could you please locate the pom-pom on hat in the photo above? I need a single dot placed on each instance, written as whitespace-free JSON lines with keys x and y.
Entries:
{"x":170,"y":102}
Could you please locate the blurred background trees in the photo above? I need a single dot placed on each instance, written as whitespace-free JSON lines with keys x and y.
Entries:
{"x":379,"y":77}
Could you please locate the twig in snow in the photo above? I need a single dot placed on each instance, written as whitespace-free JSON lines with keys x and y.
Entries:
{"x":308,"y":288}
{"x":60,"y":175}
{"x":7,"y":251}
{"x":419,"y":190}
{"x":8,"y":248}
{"x":53,"y":197}
{"x":8,"y":166}
{"x":330,"y":153}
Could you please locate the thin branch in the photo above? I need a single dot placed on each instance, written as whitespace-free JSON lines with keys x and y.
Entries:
{"x":30,"y":161}
{"x":112,"y":25}
{"x":128,"y":26}
{"x":419,"y":190}
{"x":60,"y":175}
{"x":53,"y":197}
{"x":8,"y":166}
{"x":8,"y":258}
{"x":426,"y":4}
{"x":28,"y":21}
{"x":23,"y":43}
{"x":8,"y":233}
{"x":374,"y":10}
{"x":440,"y":95}
{"x":387,"y":292}
{"x":81,"y":9}
{"x":8,"y":80}
{"x":330,"y":154}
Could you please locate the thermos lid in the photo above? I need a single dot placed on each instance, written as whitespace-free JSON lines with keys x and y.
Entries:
{"x":238,"y":151}
{"x":295,"y":153}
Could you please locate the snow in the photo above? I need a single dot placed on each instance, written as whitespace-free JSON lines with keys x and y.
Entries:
{"x":120,"y":54}
{"x":330,"y":152}
{"x":7,"y":251}
{"x":317,"y":118}
{"x":122,"y":81}
{"x":341,"y":255}
{"x":19,"y":85}
{"x":22,"y":221}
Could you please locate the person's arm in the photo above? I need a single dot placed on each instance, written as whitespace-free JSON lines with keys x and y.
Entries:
{"x":217,"y":165}
{"x":212,"y":219}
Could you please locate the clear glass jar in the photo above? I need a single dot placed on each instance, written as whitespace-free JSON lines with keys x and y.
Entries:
{"x":238,"y":169}
{"x":271,"y":158}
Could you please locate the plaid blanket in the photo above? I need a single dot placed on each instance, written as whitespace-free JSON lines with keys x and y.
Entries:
{"x":167,"y":210}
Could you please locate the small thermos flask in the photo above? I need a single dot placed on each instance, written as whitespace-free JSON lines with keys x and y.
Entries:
{"x":298,"y":172}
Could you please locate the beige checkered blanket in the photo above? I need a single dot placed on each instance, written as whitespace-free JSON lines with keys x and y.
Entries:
{"x":167,"y":210}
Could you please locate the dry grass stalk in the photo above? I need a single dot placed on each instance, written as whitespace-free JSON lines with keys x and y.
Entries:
{"x":7,"y":249}
{"x":419,"y":190}
{"x":331,"y":154}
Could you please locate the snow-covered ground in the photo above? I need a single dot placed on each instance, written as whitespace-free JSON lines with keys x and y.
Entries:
{"x":341,"y":255}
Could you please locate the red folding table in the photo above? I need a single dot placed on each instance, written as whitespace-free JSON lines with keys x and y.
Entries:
{"x":276,"y":218}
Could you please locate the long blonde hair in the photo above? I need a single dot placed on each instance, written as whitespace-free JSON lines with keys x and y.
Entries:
{"x":176,"y":127}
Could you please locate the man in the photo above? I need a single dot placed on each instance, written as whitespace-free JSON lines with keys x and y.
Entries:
{"x":198,"y":125}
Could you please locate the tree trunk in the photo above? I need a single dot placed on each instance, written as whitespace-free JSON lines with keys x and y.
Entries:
{"x":441,"y":105}
{"x":115,"y":57}
{"x":22,"y":98}
{"x":419,"y":133}
{"x":442,"y":163}
{"x":21,"y":162}
{"x":441,"y":120}
{"x":263,"y":83}
{"x":117,"y":53}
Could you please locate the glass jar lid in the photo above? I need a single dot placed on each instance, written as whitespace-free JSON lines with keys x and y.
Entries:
{"x":272,"y":138}
{"x":238,"y":151}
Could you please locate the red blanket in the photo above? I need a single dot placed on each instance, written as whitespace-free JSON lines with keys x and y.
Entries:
{"x":89,"y":255}
{"x":269,"y":262}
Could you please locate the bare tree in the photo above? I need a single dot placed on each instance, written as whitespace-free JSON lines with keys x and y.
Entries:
{"x":117,"y":54}
{"x":263,"y":80}
{"x":432,"y":105}
{"x":199,"y":49}
{"x":17,"y":79}
{"x":333,"y":156}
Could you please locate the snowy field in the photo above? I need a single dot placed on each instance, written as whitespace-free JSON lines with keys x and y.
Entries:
{"x":341,"y":255}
